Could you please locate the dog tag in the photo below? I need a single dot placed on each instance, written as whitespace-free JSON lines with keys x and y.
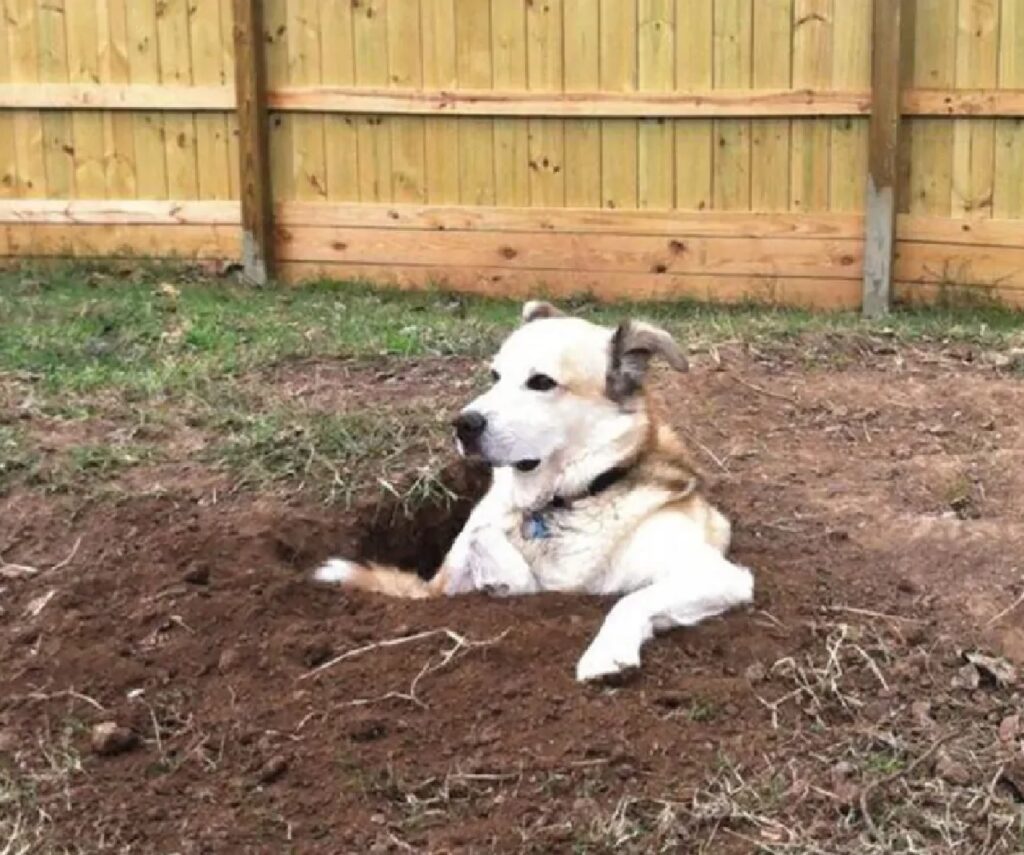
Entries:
{"x":535,"y":527}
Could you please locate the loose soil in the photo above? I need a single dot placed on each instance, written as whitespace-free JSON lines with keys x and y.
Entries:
{"x":877,"y":492}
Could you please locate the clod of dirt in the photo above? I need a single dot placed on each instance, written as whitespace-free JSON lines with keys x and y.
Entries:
{"x":1009,"y":728}
{"x":756,"y":673}
{"x":907,"y":586}
{"x":844,"y":787}
{"x":951,"y":771}
{"x":368,"y":730}
{"x":993,"y":669}
{"x":197,"y":574}
{"x":1013,"y":777}
{"x":272,"y":770}
{"x":316,"y":653}
{"x":1012,"y":359}
{"x":228,"y":659}
{"x":8,"y":742}
{"x":670,"y":700}
{"x":922,"y":712}
{"x":109,"y":738}
{"x":967,"y":678}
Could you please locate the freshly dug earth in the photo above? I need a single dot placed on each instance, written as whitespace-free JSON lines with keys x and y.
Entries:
{"x":877,"y":493}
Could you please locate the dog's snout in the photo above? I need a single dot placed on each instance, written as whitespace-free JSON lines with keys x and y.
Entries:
{"x":469,"y":426}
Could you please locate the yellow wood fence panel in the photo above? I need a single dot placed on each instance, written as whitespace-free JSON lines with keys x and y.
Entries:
{"x":956,"y":168}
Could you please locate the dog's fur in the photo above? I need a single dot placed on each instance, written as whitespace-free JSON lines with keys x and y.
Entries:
{"x":590,"y":492}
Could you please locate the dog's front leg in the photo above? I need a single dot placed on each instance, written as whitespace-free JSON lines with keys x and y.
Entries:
{"x":498,"y":567}
{"x":482,"y":558}
{"x":694,"y":581}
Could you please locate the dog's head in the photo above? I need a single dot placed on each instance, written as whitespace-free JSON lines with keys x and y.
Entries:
{"x":564,"y":390}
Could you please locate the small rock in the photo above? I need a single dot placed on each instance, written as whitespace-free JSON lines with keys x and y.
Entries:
{"x":197,"y":574}
{"x":1009,"y":728}
{"x":756,"y":673}
{"x":951,"y":771}
{"x":273,"y":769}
{"x":109,"y":738}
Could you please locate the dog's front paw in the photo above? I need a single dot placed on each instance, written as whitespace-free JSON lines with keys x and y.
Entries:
{"x":603,"y":660}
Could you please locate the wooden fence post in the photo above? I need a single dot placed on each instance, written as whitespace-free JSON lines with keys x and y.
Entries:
{"x":883,"y":159}
{"x":253,"y":143}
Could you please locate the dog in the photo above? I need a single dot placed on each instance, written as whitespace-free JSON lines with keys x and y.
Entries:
{"x":590,"y":492}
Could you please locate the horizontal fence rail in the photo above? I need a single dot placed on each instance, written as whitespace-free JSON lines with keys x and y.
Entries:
{"x":741,"y":103}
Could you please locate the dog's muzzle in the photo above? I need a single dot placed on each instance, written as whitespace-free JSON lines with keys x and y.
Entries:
{"x":469,"y":427}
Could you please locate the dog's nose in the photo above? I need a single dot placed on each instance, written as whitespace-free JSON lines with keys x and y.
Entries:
{"x":469,"y":426}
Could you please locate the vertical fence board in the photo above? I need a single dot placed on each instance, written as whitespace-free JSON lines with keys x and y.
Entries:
{"x":118,"y":127}
{"x":851,"y":70}
{"x":144,"y":67}
{"x":656,"y":66}
{"x":511,"y":136}
{"x":180,"y":128}
{"x":58,"y":140}
{"x":405,"y":62}
{"x":309,"y":159}
{"x":208,"y":68}
{"x":977,"y":67}
{"x":732,"y":46}
{"x":1008,"y":200}
{"x":694,"y":73}
{"x":282,"y":155}
{"x":582,"y":63}
{"x":618,"y":74}
{"x":546,"y":137}
{"x":476,"y":136}
{"x":769,"y":142}
{"x":22,"y":41}
{"x":440,"y":72}
{"x":227,"y":28}
{"x":83,"y":29}
{"x":812,"y":53}
{"x":931,"y":140}
{"x":8,"y":155}
{"x":338,"y":66}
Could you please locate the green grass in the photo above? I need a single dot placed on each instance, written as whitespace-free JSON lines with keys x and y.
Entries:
{"x":80,"y":330}
{"x":337,"y":454}
{"x":155,"y":352}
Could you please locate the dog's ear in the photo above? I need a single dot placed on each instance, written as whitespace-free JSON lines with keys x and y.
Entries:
{"x":632,"y":346}
{"x":535,"y":310}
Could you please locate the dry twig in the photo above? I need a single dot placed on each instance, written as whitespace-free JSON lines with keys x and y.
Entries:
{"x":882,"y":783}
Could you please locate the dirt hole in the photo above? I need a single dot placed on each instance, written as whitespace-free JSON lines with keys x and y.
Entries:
{"x":417,"y":537}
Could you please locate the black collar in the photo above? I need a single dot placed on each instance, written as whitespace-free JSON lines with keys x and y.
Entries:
{"x":608,"y":478}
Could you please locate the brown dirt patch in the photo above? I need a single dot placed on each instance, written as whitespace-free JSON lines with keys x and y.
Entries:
{"x":887,"y":484}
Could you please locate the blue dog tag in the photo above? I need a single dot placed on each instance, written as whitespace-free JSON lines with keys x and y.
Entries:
{"x":535,"y":527}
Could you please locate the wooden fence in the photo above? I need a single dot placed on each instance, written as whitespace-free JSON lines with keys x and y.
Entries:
{"x":638,"y":149}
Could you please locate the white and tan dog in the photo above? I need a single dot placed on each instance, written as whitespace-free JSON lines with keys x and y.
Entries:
{"x":590,"y":493}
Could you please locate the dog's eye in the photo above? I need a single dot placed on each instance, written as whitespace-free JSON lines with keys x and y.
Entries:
{"x":495,"y":376}
{"x":540,"y":383}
